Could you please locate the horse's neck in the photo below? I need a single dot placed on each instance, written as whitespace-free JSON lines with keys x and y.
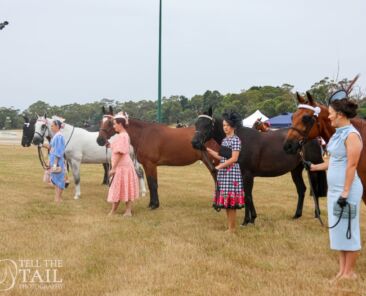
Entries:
{"x":134,"y":131}
{"x":326,"y":131}
{"x":359,"y":124}
{"x":218,"y":133}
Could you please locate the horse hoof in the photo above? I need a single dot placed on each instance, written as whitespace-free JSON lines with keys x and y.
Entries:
{"x":67,"y":184}
{"x":76,"y":197}
{"x":153,"y":207}
{"x":245,"y":223}
{"x":296,"y":216}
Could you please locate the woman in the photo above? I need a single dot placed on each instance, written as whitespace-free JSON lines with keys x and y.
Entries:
{"x":124,"y":182}
{"x":57,"y":167}
{"x":344,"y":185}
{"x":229,"y":193}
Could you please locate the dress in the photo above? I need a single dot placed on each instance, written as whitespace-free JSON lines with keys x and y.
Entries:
{"x":124,"y":186}
{"x":336,"y":178}
{"x":229,"y":192}
{"x":58,"y":150}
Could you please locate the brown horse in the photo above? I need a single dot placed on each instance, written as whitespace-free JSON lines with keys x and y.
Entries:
{"x":157,"y":144}
{"x":306,"y":125}
{"x":261,"y":126}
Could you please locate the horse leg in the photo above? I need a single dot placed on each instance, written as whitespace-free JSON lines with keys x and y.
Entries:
{"x":296,"y":175}
{"x":250,"y":212}
{"x":141,"y":177}
{"x":75,"y":166}
{"x":106,"y":171}
{"x":152,"y":182}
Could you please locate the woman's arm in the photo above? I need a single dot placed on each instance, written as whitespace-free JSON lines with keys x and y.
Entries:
{"x":320,"y":166}
{"x":213,"y":153}
{"x":115,"y":163}
{"x":353,"y":148}
{"x":233,"y":159}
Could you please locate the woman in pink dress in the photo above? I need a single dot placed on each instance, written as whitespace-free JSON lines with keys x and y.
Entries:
{"x":124,"y":181}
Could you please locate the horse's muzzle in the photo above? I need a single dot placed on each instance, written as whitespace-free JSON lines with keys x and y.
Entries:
{"x":197,"y":144}
{"x":101,"y":141}
{"x":291,"y":146}
{"x":37,"y":140}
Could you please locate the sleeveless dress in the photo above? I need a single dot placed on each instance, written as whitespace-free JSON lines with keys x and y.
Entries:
{"x":124,"y":186}
{"x":57,"y":150}
{"x":336,"y":178}
{"x":229,"y":192}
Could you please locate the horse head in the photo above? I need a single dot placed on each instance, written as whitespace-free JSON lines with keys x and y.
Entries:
{"x":308,"y":122}
{"x":28,"y":131}
{"x":42,"y":129}
{"x":106,"y":130}
{"x":204,"y":126}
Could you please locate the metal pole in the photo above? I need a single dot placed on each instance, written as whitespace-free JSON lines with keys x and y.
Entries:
{"x":159,"y":67}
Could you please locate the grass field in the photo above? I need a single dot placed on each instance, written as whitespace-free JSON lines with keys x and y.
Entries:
{"x":179,"y":249}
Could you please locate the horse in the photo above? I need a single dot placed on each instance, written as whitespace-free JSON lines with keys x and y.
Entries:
{"x":28,"y":131}
{"x":261,"y":155}
{"x":308,"y":124}
{"x":80,"y":148}
{"x":27,"y":137}
{"x":180,"y":125}
{"x":157,"y":144}
{"x":262,"y":126}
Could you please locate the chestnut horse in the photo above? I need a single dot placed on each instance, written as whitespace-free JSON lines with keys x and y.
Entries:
{"x":306,"y":125}
{"x":262,"y":155}
{"x":261,"y":126}
{"x":155,"y":145}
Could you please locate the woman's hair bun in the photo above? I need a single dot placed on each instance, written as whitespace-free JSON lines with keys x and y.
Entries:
{"x":233,"y":119}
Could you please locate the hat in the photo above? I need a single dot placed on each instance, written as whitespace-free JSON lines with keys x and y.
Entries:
{"x":123,"y":115}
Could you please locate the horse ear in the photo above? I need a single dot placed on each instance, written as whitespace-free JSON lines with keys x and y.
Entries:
{"x":300,"y":99}
{"x":310,"y":98}
{"x":103,"y":110}
{"x":110,"y":110}
{"x":45,"y":115}
{"x":37,"y":115}
{"x":26,"y":119}
{"x":210,"y":111}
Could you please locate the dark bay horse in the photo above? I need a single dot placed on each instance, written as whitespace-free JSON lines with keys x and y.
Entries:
{"x":305,"y":125}
{"x":262,"y":155}
{"x":155,"y":145}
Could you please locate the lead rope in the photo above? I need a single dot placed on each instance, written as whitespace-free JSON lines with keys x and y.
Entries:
{"x":317,"y":210}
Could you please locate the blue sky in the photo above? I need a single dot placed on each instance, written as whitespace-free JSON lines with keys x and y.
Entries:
{"x":81,"y":51}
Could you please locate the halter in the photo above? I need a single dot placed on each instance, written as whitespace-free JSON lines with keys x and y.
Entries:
{"x":106,"y":131}
{"x":315,"y":115}
{"x":210,"y":131}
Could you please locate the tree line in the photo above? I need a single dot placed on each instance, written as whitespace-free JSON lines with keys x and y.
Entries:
{"x":270,"y":100}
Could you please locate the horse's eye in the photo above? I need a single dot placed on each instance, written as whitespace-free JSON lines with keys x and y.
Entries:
{"x":307,"y":119}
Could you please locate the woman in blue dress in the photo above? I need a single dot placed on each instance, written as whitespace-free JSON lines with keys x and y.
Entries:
{"x":229,"y":192}
{"x":57,"y":162}
{"x":344,"y":185}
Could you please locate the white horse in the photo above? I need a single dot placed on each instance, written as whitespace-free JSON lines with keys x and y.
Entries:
{"x":81,"y":147}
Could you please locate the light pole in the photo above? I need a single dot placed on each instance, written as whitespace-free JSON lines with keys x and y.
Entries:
{"x":159,"y":66}
{"x":2,"y":25}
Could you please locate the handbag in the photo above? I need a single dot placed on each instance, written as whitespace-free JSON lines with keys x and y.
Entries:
{"x":349,"y":210}
{"x":56,"y":169}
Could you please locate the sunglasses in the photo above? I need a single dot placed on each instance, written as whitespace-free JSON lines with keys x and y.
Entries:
{"x":338,"y":95}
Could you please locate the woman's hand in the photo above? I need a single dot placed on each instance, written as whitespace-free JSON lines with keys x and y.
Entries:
{"x":112,"y":172}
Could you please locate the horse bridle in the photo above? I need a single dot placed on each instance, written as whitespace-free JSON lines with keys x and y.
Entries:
{"x":208,"y":135}
{"x":104,"y":130}
{"x":305,"y":134}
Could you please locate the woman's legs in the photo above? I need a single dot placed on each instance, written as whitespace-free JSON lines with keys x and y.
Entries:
{"x":342,"y":263}
{"x":350,"y":263}
{"x":231,"y":219}
{"x":58,"y":193}
{"x":114,"y":208}
{"x":128,"y":212}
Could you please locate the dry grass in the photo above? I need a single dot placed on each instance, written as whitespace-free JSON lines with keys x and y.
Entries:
{"x":179,"y":249}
